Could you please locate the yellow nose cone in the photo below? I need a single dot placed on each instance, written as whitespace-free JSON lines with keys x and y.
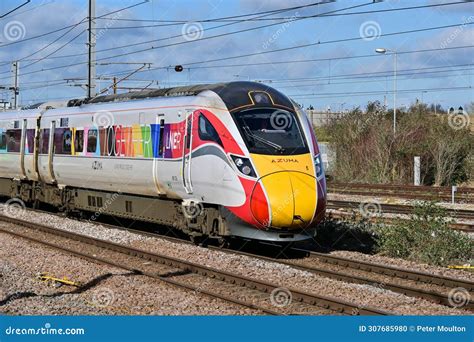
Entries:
{"x":292,"y":197}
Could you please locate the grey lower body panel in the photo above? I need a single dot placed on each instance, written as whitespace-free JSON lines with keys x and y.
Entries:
{"x":241,"y":229}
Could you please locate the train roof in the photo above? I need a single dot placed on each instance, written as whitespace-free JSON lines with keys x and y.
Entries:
{"x":19,"y":114}
{"x":236,"y":95}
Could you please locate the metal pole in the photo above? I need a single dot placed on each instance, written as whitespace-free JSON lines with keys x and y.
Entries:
{"x":115,"y":85}
{"x":15,"y":87}
{"x":395,"y":93}
{"x":91,"y":86}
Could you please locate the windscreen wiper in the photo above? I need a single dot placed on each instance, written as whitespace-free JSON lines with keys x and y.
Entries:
{"x":263,"y":140}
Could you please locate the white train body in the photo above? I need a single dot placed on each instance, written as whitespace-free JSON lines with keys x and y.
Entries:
{"x":194,"y":148}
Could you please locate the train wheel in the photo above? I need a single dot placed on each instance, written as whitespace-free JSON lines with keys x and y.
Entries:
{"x":36,"y":204}
{"x":198,"y":240}
{"x":223,"y":242}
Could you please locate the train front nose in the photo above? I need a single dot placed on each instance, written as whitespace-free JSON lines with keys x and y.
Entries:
{"x":291,"y":199}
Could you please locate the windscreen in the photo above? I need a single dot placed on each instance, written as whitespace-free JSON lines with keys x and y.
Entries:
{"x":271,"y":131}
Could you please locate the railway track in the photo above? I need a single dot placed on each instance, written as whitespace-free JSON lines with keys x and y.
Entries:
{"x":387,"y":277}
{"x":244,"y":291}
{"x":399,"y":209}
{"x":401,"y":280}
{"x":463,"y":227}
{"x":426,"y":193}
{"x":392,"y":278}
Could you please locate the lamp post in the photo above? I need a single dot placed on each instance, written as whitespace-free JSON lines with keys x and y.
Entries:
{"x":384,"y":51}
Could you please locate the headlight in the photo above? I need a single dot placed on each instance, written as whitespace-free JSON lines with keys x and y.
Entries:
{"x":244,"y":166}
{"x":318,"y":165}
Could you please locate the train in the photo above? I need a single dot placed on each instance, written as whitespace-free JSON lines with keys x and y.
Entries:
{"x":215,"y":161}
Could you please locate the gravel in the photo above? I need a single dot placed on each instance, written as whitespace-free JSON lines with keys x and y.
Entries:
{"x":108,"y":291}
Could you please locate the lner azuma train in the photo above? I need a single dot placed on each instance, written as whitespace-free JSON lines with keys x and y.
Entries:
{"x":225,"y":160}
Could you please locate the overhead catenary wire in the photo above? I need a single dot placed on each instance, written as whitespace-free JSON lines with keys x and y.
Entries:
{"x":307,"y":60}
{"x":381,"y":92}
{"x":258,"y":53}
{"x":181,"y":22}
{"x":359,"y":77}
{"x":65,"y":27}
{"x":204,"y":65}
{"x":179,"y":43}
{"x":45,"y":47}
{"x":26,"y":2}
{"x":118,"y":73}
{"x":198,"y":31}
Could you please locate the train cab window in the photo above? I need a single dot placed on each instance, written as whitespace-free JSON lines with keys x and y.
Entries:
{"x":3,"y":141}
{"x":67,"y":141}
{"x":271,"y":131}
{"x":79,"y":141}
{"x":92,"y":141}
{"x":207,"y":132}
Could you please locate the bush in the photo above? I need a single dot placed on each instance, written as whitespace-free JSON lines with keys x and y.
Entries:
{"x":426,"y":237}
{"x":368,"y":151}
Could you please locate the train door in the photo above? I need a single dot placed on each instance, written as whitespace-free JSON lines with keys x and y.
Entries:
{"x":158,"y":143}
{"x":22,"y":148}
{"x":52,"y":131}
{"x":187,"y":152}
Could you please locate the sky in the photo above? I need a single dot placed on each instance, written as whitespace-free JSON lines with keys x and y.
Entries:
{"x":335,"y":67}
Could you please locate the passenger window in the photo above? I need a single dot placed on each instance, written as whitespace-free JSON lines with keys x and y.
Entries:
{"x":3,"y":141}
{"x":79,"y":141}
{"x":162,"y":132}
{"x":45,"y":141}
{"x":30,"y":138}
{"x":207,"y":131}
{"x":92,"y":141}
{"x":67,"y":141}
{"x":13,"y":140}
